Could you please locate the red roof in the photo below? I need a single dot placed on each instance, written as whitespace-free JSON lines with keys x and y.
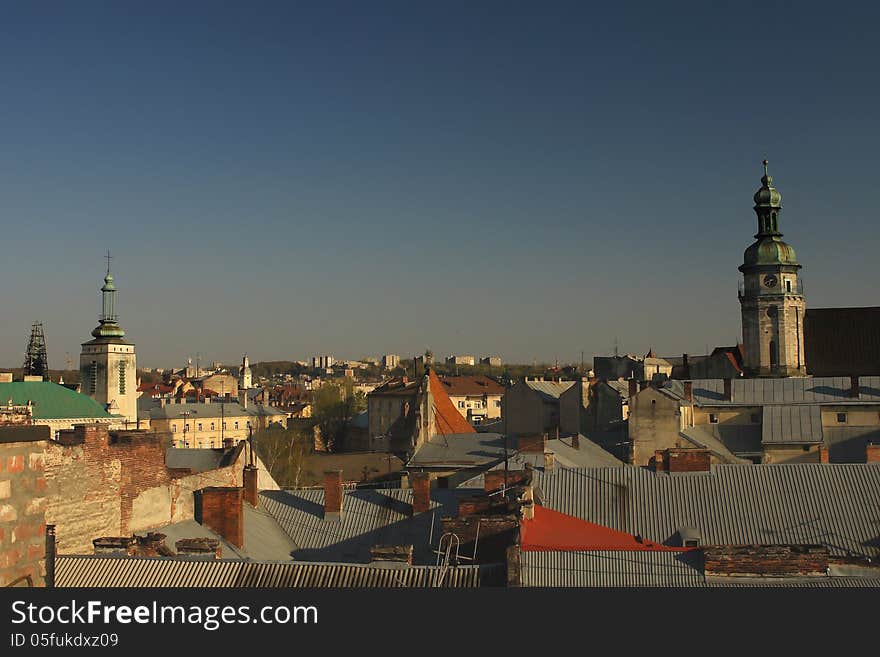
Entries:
{"x":472,"y":385}
{"x":447,"y":417}
{"x":551,"y":530}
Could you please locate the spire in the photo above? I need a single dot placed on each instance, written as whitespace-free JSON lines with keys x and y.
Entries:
{"x":768,"y":204}
{"x":108,"y":327}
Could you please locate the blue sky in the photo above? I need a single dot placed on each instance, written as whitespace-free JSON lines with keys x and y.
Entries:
{"x":527,"y":179}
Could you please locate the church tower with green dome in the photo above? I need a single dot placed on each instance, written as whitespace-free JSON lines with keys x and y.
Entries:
{"x":771,"y":295}
{"x":107,"y":364}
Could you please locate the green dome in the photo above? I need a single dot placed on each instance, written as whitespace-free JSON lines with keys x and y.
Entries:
{"x":768,"y":195}
{"x":770,"y":251}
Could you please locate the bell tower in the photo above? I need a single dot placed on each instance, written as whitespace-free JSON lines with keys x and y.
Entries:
{"x":771,"y":295}
{"x":107,"y":364}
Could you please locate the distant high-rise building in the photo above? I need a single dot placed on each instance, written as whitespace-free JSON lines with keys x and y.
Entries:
{"x":461,"y":360}
{"x":322,"y":362}
{"x":492,"y":361}
{"x":771,"y":295}
{"x":390,"y":361}
{"x":107,"y":364}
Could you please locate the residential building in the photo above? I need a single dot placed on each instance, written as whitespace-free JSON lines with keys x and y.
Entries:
{"x":107,"y":364}
{"x":212,"y":424}
{"x":461,"y":360}
{"x":390,"y":361}
{"x":531,"y":406}
{"x":721,"y":363}
{"x":796,"y":420}
{"x":491,"y":361}
{"x":771,"y":295}
{"x":641,"y":368}
{"x":323,"y":362}
{"x":477,"y":398}
{"x":592,"y":406}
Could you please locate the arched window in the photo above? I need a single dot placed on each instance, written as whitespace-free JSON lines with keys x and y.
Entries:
{"x":774,"y":354}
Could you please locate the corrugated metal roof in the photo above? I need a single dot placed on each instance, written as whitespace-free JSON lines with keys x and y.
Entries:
{"x":611,"y":568}
{"x":134,"y":572}
{"x":799,"y":390}
{"x":657,"y":569}
{"x":460,"y":450}
{"x":549,"y":389}
{"x":369,"y":517}
{"x":829,"y":504}
{"x":792,"y":424}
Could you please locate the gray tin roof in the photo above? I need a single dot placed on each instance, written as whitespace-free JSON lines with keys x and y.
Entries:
{"x":369,"y":517}
{"x":791,"y":424}
{"x":135,"y":572}
{"x":829,"y":504}
{"x":460,"y":450}
{"x":798,"y":390}
{"x":549,"y":390}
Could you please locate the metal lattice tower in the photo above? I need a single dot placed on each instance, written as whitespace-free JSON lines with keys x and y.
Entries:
{"x":36,"y":363}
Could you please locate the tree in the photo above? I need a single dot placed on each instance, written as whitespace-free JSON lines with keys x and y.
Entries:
{"x":333,"y":408}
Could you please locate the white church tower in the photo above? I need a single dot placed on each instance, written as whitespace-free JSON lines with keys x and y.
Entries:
{"x":107,"y":365}
{"x":245,"y":378}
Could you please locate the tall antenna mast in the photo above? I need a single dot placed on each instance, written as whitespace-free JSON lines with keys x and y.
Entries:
{"x":36,"y":363}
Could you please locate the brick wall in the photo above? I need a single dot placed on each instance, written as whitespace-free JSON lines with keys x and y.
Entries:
{"x":682,"y":460}
{"x":22,"y":511}
{"x":98,"y":488}
{"x":219,"y":508}
{"x":766,"y":560}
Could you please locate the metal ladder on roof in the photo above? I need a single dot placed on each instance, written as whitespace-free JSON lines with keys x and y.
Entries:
{"x":449,"y":557}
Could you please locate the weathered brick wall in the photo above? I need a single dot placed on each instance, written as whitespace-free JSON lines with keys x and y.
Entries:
{"x":220,"y":509}
{"x":765,"y":560}
{"x":22,"y":511}
{"x":101,"y":489}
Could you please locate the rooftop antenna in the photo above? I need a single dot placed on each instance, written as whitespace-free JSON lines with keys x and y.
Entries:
{"x":616,"y":347}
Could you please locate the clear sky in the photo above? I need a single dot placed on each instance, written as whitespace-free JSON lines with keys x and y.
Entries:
{"x":523,"y":179}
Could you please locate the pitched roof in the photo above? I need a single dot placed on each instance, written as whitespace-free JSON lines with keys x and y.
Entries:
{"x":827,"y":504}
{"x":471,"y":385}
{"x":448,"y":420}
{"x":549,"y":390}
{"x":792,"y":424}
{"x":52,"y":401}
{"x":460,"y":451}
{"x":552,"y":530}
{"x":798,"y":390}
{"x":140,"y":572}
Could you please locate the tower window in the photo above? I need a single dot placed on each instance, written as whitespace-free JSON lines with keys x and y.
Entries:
{"x":713,"y":418}
{"x":774,"y":354}
{"x":122,"y":377}
{"x":841,"y":418}
{"x":788,"y":285}
{"x":93,"y":376}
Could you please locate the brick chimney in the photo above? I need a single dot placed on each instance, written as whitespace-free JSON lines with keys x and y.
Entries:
{"x":333,"y":495}
{"x":249,"y":480}
{"x":198,"y":547}
{"x":685,"y":367}
{"x":687,"y":460}
{"x":220,"y":509}
{"x":872,"y":453}
{"x":421,"y":492}
{"x":689,"y":390}
{"x":152,"y":545}
{"x":115,"y":545}
{"x":823,"y":454}
{"x":576,"y":441}
{"x":633,"y":388}
{"x":728,"y":390}
{"x":854,"y":387}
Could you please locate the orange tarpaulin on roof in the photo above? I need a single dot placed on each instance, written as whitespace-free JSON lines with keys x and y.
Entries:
{"x":551,"y":530}
{"x":448,"y":419}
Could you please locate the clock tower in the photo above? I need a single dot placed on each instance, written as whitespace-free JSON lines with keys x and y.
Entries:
{"x":771,"y":295}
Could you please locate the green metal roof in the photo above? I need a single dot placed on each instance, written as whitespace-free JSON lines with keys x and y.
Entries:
{"x":52,"y":401}
{"x":770,"y":251}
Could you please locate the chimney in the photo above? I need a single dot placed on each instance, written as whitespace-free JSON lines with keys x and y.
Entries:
{"x":50,"y":556}
{"x":549,"y":461}
{"x":659,"y":460}
{"x":151,"y":545}
{"x":421,"y":487}
{"x":633,"y":388}
{"x":854,"y":387}
{"x":198,"y":547}
{"x":115,"y":545}
{"x":872,"y":453}
{"x":689,"y":390}
{"x":333,"y":495}
{"x":685,"y":367}
{"x":823,"y":454}
{"x":576,"y":441}
{"x":249,"y":481}
{"x":391,"y":556}
{"x":220,"y":509}
{"x":687,"y":460}
{"x":728,"y":390}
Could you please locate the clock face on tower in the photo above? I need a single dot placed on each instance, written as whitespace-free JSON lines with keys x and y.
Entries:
{"x":770,"y":280}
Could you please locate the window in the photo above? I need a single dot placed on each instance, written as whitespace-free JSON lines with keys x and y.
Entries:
{"x":236,"y":425}
{"x":461,"y":404}
{"x":121,"y":377}
{"x":713,"y":419}
{"x":200,"y":426}
{"x":93,"y":376}
{"x":788,"y":285}
{"x":212,"y":426}
{"x":224,"y":425}
{"x":774,"y":354}
{"x":173,"y":428}
{"x":841,"y":418}
{"x":497,"y":403}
